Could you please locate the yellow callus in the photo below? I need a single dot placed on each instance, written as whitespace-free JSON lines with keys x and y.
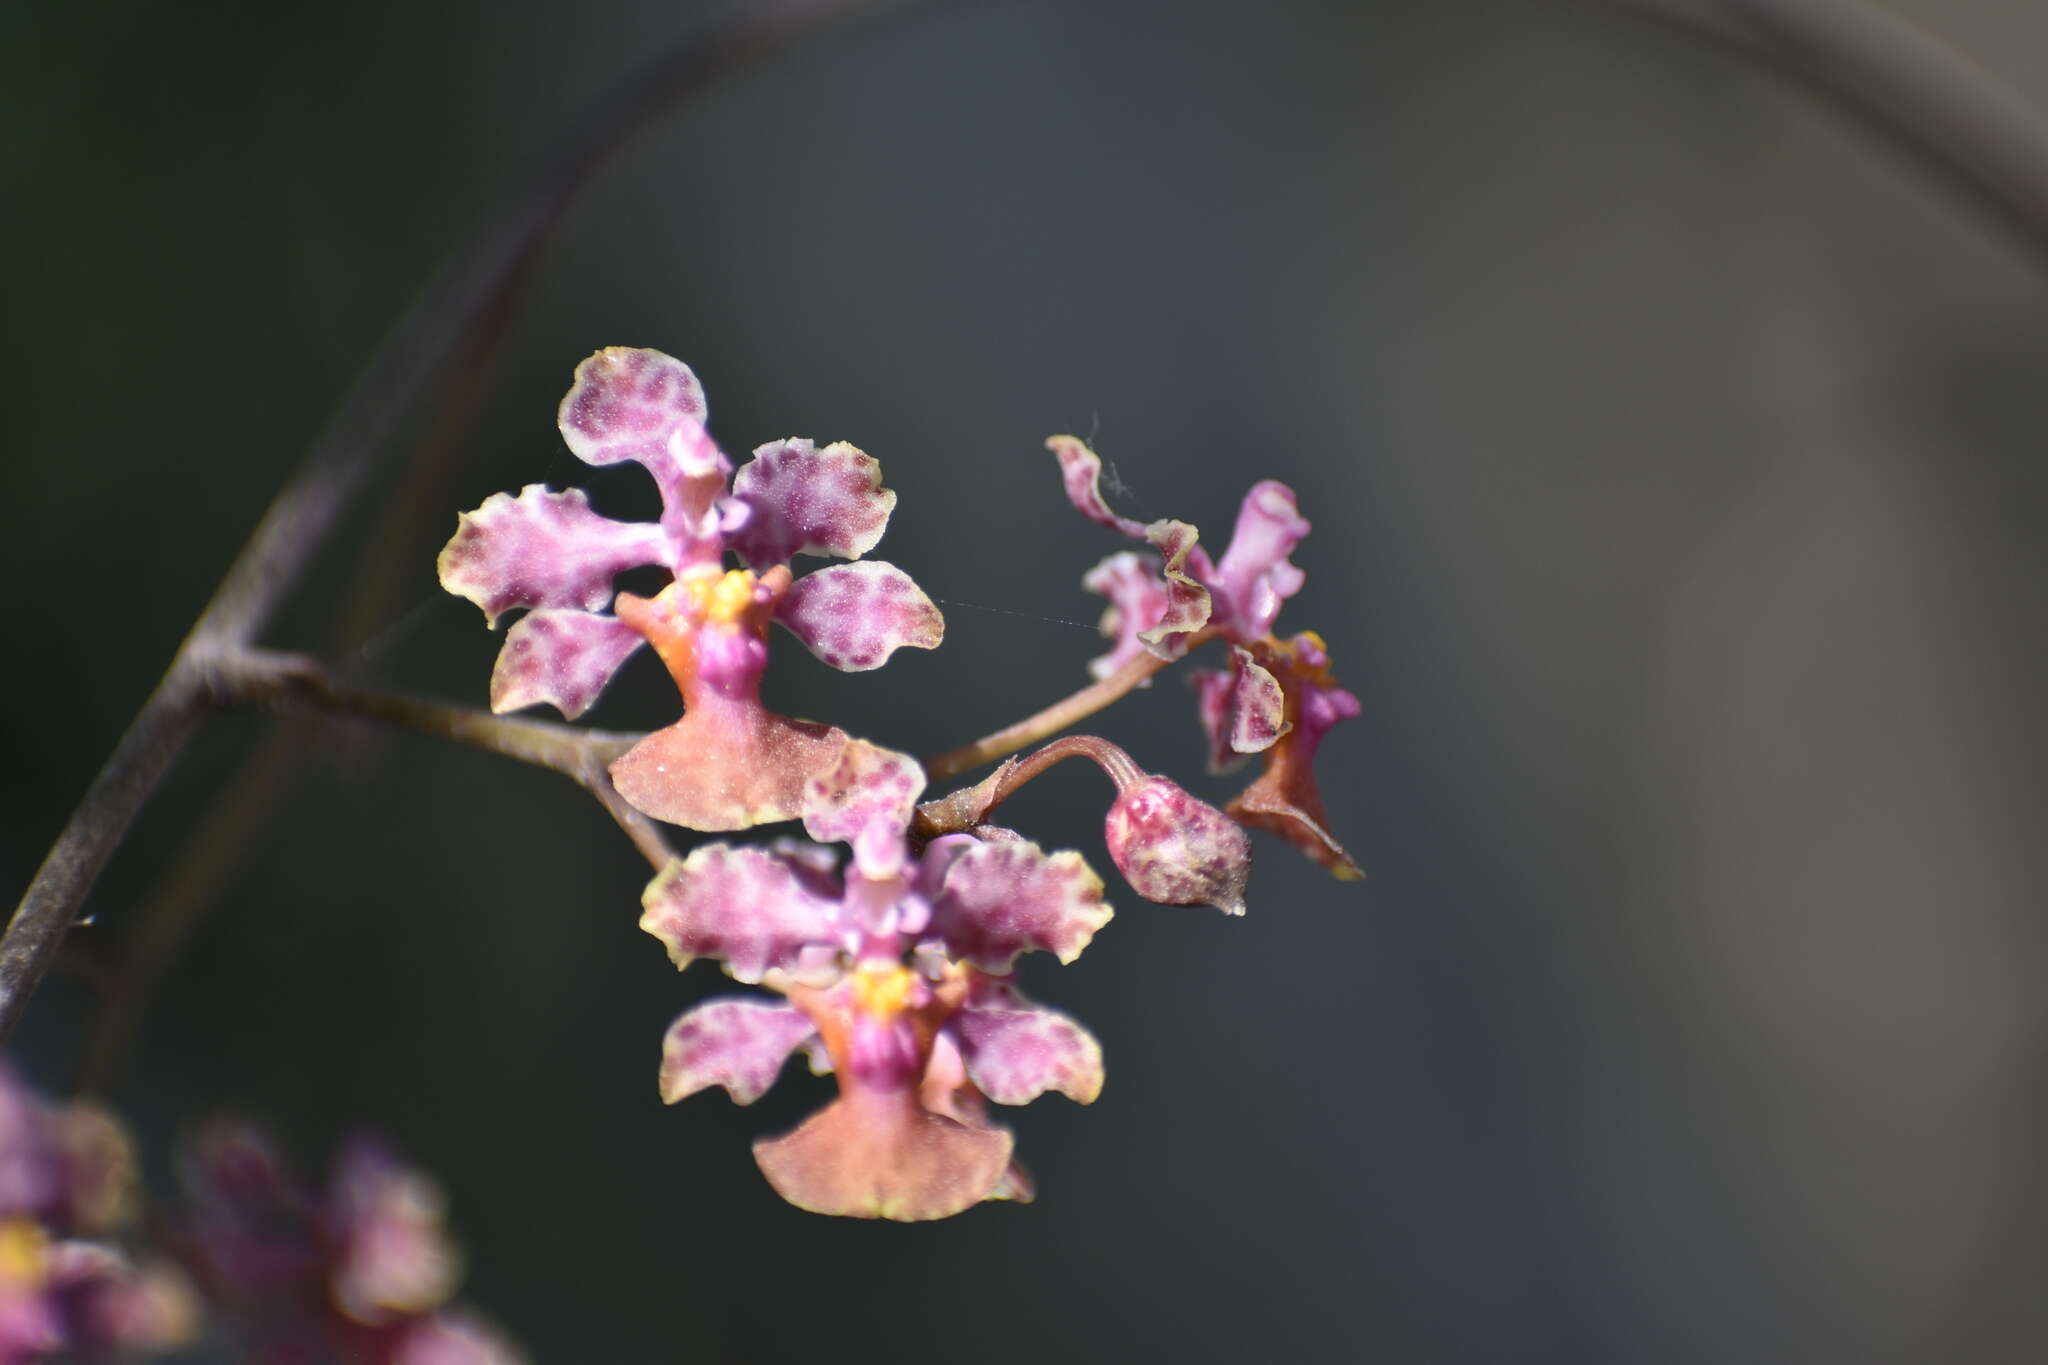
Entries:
{"x":718,"y":598}
{"x":881,"y":990}
{"x":24,"y":1253}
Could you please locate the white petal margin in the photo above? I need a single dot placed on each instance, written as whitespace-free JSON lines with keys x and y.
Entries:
{"x":1016,"y":1052}
{"x":561,"y":657}
{"x":732,"y":1041}
{"x":854,"y":616}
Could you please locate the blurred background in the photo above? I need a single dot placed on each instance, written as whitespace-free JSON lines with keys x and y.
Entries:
{"x":1675,"y":449}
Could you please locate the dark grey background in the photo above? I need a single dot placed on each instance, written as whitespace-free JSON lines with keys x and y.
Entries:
{"x":1675,"y":452}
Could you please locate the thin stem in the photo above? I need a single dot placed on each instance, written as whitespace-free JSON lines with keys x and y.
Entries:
{"x":1055,"y":718}
{"x":1897,"y":80}
{"x":442,"y":320}
{"x":266,"y":677}
{"x":970,"y":806}
{"x":1120,"y":766}
{"x":257,"y":677}
{"x":55,"y":895}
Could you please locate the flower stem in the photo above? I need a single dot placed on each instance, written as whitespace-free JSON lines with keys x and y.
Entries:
{"x":970,"y":806}
{"x":243,"y":677}
{"x":1054,"y":718}
{"x":261,"y":676}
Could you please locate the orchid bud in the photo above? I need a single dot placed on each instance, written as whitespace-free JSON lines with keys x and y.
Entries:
{"x":1177,"y":850}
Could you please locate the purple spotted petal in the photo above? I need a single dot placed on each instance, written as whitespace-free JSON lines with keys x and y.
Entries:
{"x":1081,"y":472}
{"x":1017,"y":1051}
{"x":751,"y":908}
{"x":854,"y":616}
{"x":629,"y":404}
{"x":1254,"y":575}
{"x":560,"y":657}
{"x":1137,"y":601}
{"x":543,"y":549}
{"x":1258,"y":708}
{"x":801,"y":500}
{"x":735,"y":1041}
{"x":1002,"y":899}
{"x":1243,"y":710}
{"x":1176,"y":850}
{"x":870,"y":788}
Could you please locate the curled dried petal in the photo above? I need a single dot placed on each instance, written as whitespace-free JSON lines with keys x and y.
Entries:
{"x":543,"y":549}
{"x":1081,"y":472}
{"x":562,"y":657}
{"x":854,"y":616}
{"x":999,"y":900}
{"x":1285,"y":799}
{"x":802,"y":500}
{"x":1187,"y":601}
{"x":754,"y":909}
{"x":733,"y":1041}
{"x":1186,"y":608}
{"x":1258,"y":705}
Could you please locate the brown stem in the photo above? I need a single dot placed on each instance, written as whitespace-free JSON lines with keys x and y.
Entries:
{"x":1055,"y":718}
{"x":442,"y":320}
{"x":292,"y":682}
{"x":970,"y":806}
{"x":266,"y":677}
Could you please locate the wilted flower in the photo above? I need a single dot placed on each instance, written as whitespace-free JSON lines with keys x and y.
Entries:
{"x":729,"y":762}
{"x":1278,"y":697}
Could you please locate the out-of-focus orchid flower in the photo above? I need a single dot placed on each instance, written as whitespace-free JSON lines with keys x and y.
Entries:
{"x":359,"y":1275}
{"x":68,"y":1290}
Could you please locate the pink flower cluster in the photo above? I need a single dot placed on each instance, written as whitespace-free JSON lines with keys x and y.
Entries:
{"x":890,"y":966}
{"x":69,"y":1287}
{"x":358,"y":1275}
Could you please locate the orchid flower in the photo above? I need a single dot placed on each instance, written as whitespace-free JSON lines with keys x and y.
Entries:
{"x":729,"y":762}
{"x":1278,"y":697}
{"x":894,"y":977}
